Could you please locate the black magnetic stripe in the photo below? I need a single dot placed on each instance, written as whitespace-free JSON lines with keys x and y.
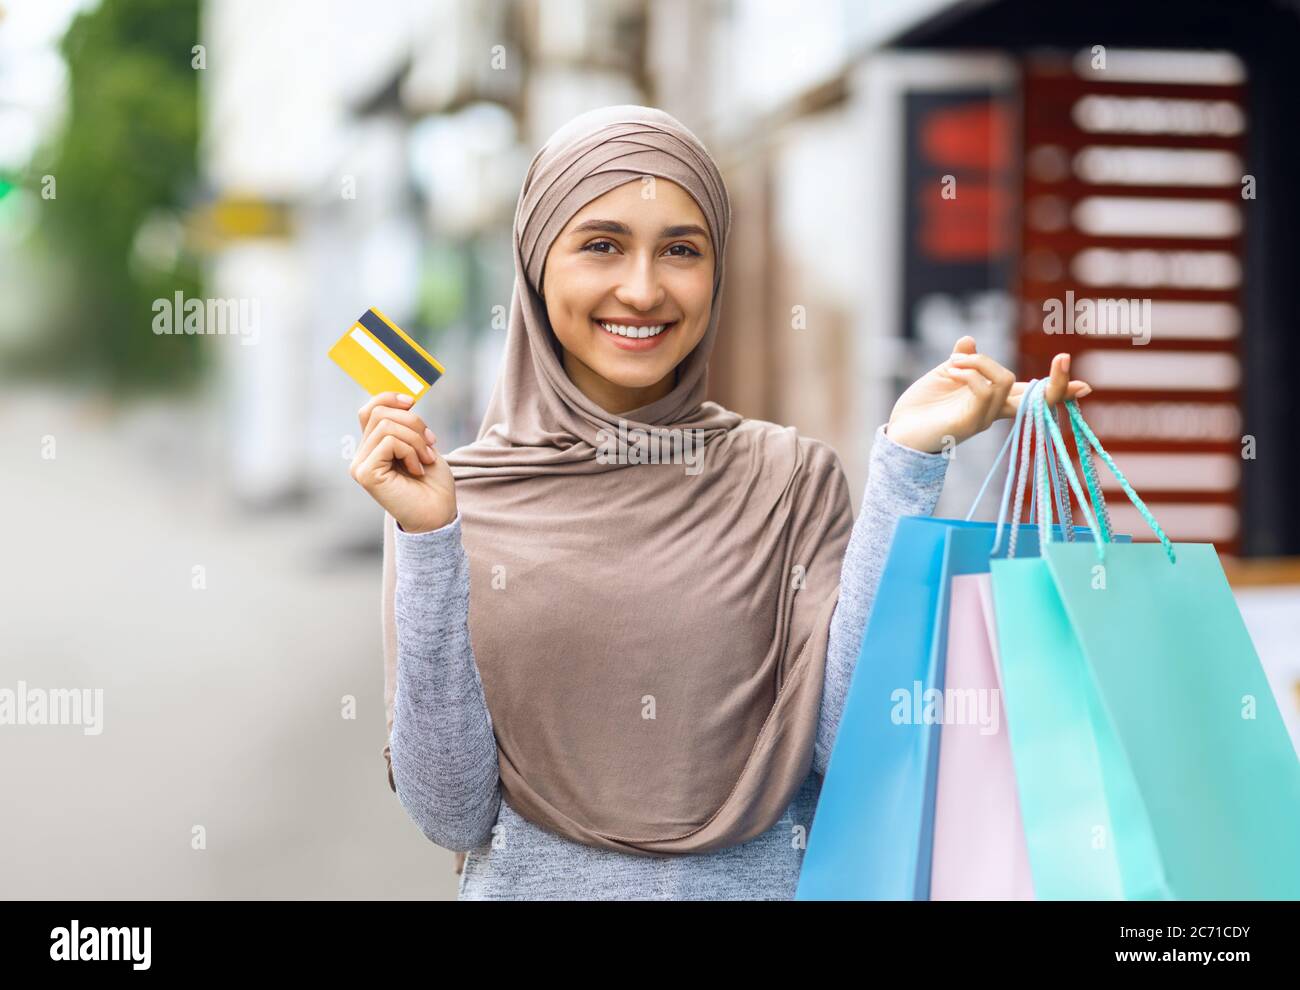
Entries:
{"x":408,"y":354}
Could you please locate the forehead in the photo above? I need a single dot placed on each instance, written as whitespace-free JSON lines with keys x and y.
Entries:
{"x":645,"y":202}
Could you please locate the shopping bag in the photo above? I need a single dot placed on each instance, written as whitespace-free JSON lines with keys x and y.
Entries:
{"x":979,"y":844}
{"x":1151,"y":758}
{"x":871,"y":836}
{"x":979,"y":850}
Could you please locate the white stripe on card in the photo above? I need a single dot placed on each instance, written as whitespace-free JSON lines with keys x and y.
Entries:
{"x":380,"y":354}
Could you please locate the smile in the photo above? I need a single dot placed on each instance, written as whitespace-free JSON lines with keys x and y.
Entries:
{"x":635,"y":339}
{"x":636,"y":333}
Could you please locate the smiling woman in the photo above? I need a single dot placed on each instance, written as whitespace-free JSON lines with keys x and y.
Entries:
{"x":609,"y":677}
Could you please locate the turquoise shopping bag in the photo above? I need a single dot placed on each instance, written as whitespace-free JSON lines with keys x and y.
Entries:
{"x":1151,"y":758}
{"x":872,"y":830}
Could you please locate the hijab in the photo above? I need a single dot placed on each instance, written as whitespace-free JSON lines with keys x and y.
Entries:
{"x":651,"y":639}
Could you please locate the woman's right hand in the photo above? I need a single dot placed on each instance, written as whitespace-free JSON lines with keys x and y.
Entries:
{"x":398,"y":464}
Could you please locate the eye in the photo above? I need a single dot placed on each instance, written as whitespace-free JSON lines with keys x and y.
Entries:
{"x":690,"y":251}
{"x":595,"y":244}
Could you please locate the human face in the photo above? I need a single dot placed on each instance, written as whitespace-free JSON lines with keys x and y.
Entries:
{"x":634,"y":261}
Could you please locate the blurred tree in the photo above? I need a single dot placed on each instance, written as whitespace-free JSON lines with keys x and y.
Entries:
{"x":127,"y":153}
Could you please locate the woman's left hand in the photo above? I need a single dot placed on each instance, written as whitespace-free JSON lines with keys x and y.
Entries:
{"x":965,"y":395}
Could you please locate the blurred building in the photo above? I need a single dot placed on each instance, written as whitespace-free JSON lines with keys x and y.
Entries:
{"x":954,"y":168}
{"x":393,"y":151}
{"x":902,"y":174}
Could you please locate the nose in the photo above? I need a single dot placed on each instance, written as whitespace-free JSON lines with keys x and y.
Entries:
{"x":640,"y":288}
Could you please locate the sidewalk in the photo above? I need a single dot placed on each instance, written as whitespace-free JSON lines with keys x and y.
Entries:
{"x":221,"y":705}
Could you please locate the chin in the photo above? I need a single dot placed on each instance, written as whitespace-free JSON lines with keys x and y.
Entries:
{"x":640,"y":377}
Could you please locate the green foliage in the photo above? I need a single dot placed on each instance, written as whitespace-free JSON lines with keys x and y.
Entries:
{"x":128,"y":149}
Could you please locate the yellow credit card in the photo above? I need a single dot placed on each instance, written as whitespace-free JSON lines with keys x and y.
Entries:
{"x":380,"y":357}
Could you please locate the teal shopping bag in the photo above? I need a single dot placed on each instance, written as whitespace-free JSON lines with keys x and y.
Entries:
{"x":1064,"y":750}
{"x":1151,"y":758}
{"x":872,"y":830}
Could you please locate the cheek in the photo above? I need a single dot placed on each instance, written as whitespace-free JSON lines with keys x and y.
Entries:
{"x":694,"y":287}
{"x":567,"y":299}
{"x":583,"y":290}
{"x":696,"y":296}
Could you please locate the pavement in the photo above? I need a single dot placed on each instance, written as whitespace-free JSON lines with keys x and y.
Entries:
{"x":225,"y":767}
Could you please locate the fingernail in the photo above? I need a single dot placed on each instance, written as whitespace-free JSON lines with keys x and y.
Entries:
{"x":1084,"y":391}
{"x":431,"y":451}
{"x":403,"y":397}
{"x":1066,"y":364}
{"x":428,"y":435}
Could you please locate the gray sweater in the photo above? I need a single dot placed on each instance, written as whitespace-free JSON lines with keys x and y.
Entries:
{"x":444,"y":752}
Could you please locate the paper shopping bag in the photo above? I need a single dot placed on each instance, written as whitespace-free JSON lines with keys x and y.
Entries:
{"x":1151,"y":758}
{"x":979,"y":850}
{"x":871,"y":836}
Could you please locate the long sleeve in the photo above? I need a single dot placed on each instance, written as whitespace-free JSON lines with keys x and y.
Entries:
{"x":900,"y":482}
{"x":444,"y":753}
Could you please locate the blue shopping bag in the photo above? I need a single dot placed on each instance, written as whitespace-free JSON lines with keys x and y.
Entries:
{"x":872,"y":830}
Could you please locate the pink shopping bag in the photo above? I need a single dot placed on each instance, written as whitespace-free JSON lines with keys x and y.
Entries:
{"x":979,"y":851}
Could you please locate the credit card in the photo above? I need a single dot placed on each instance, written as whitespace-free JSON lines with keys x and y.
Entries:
{"x":380,"y":357}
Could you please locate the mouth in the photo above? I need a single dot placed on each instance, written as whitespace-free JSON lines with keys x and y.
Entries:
{"x":635,"y":338}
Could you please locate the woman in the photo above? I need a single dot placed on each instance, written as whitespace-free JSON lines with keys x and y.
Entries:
{"x":612,"y":676}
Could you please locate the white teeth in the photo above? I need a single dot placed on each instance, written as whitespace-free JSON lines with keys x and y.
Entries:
{"x":638,"y":332}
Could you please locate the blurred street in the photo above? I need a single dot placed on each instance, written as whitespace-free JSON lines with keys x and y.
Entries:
{"x":222,"y":706}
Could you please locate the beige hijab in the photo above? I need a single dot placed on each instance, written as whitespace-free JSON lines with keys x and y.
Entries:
{"x":651,"y":640}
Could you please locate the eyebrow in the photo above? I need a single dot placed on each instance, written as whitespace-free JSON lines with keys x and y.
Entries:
{"x":616,"y":227}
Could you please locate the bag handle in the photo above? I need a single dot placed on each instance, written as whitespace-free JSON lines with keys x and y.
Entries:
{"x":1033,"y":436}
{"x":1020,"y":439}
{"x":1077,"y":421}
{"x":1077,"y":417}
{"x":1047,"y":425}
{"x":1062,"y":495}
{"x":1018,"y":443}
{"x":1012,"y":443}
{"x":1090,"y":478}
{"x":1059,"y":492}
